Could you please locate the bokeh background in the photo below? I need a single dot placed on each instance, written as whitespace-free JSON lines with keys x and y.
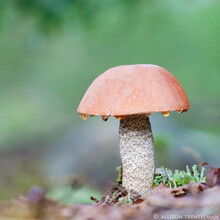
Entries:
{"x":51,"y":50}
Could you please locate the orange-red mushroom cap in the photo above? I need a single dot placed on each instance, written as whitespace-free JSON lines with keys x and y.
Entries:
{"x":134,"y":89}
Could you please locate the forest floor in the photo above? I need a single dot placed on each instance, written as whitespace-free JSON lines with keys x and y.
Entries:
{"x":191,"y":201}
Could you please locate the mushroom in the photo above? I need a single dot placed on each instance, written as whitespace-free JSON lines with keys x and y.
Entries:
{"x":131,"y":93}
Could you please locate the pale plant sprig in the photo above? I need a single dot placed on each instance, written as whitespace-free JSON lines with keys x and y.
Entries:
{"x":179,"y":177}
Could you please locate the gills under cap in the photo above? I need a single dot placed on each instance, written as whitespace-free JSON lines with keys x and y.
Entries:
{"x":134,"y":89}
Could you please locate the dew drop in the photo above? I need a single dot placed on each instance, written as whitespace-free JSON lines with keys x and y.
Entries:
{"x":105,"y":118}
{"x":165,"y":114}
{"x":118,"y":117}
{"x":84,"y":117}
{"x":179,"y":111}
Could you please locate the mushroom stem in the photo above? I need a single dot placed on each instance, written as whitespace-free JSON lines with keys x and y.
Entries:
{"x":137,"y":153}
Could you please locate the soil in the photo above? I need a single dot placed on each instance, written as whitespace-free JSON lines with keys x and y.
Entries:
{"x":191,"y":201}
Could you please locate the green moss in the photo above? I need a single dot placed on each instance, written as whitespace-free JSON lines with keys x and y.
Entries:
{"x":178,"y":178}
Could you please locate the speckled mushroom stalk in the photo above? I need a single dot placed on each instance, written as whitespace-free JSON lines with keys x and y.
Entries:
{"x":137,"y":153}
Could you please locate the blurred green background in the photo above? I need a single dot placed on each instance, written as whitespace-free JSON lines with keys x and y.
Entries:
{"x":51,"y":50}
